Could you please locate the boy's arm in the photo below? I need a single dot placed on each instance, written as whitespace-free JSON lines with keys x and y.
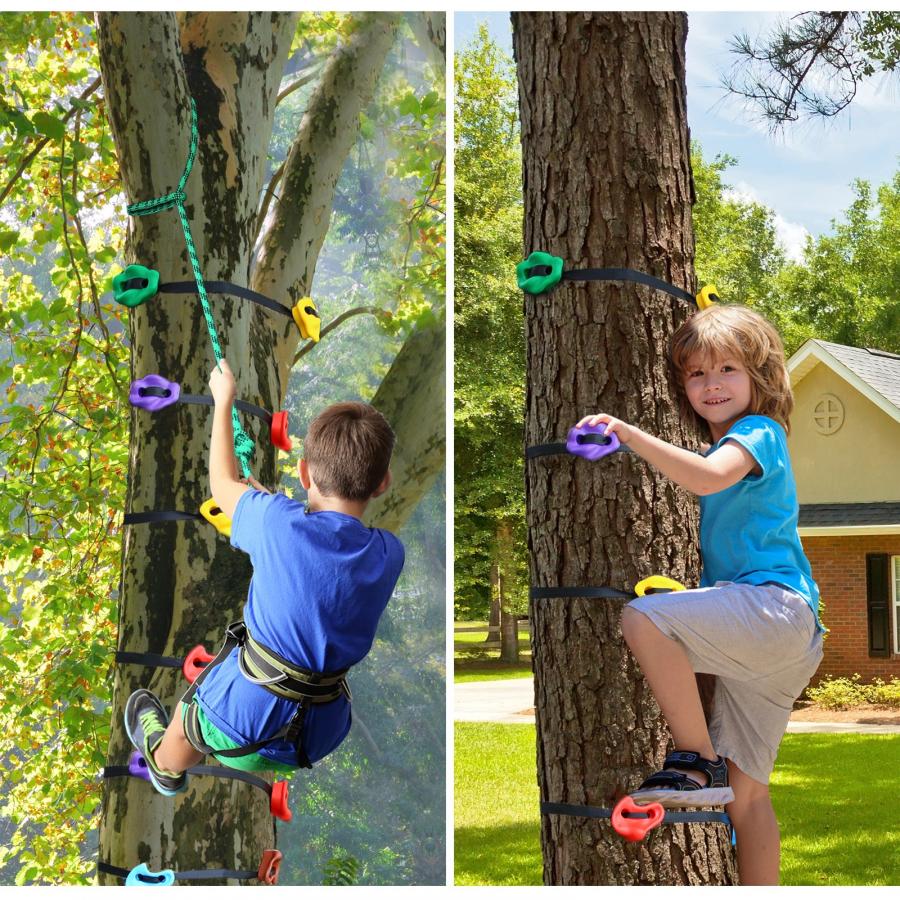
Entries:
{"x":700,"y":475}
{"x":224,"y":482}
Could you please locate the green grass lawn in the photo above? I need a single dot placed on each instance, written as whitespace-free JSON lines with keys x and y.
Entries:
{"x":475,"y":663}
{"x":835,"y":796}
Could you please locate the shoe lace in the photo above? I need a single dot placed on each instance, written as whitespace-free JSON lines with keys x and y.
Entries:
{"x":150,"y":722}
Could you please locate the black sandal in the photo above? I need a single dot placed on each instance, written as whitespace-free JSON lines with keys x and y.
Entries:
{"x":675,"y":789}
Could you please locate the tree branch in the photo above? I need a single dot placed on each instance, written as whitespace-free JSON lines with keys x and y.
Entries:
{"x":356,"y":311}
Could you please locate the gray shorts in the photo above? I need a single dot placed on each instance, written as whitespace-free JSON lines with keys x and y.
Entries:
{"x":762,"y":643}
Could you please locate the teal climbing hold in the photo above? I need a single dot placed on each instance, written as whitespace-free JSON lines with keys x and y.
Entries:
{"x":135,"y":285}
{"x":539,"y":272}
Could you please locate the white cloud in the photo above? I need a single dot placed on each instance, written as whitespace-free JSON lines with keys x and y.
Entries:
{"x":790,"y":235}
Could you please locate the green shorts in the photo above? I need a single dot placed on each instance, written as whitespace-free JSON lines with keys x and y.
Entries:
{"x":252,"y":762}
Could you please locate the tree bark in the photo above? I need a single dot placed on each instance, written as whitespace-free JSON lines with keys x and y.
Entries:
{"x":181,"y":583}
{"x":607,"y":182}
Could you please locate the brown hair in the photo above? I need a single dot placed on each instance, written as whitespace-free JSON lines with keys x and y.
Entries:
{"x":348,"y":449}
{"x":743,"y":334}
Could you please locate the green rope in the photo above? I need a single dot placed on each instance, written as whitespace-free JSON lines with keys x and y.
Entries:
{"x":243,"y":443}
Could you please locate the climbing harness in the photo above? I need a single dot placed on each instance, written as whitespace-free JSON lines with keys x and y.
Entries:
{"x":153,"y":393}
{"x":277,"y":792}
{"x":541,"y":271}
{"x":264,"y":667}
{"x":136,"y":284}
{"x":140,"y":875}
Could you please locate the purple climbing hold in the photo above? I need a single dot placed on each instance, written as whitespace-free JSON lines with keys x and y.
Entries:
{"x":137,"y":765}
{"x":153,"y":392}
{"x":590,"y":441}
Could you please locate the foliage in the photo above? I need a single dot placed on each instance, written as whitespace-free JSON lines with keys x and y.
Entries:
{"x":341,"y":870}
{"x":845,"y":290}
{"x":844,"y":693}
{"x":64,"y":370}
{"x":489,"y":340}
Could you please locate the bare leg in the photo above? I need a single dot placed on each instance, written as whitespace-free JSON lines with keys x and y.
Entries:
{"x":758,"y":839}
{"x":668,"y":672}
{"x":174,"y":753}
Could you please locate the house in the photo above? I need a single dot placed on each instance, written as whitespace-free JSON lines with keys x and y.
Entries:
{"x":845,"y":451}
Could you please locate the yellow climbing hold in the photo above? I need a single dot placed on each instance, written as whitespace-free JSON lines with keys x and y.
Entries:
{"x":211,"y":512}
{"x":307,"y":318}
{"x":707,"y":296}
{"x":657,"y":583}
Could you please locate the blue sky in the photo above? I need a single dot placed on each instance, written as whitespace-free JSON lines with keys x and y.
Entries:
{"x":804,"y":174}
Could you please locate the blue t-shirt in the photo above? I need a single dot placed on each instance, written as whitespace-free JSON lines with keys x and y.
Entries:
{"x":748,"y":532}
{"x":321,"y":581}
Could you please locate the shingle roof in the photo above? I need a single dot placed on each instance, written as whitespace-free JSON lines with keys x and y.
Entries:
{"x":823,"y":515}
{"x":879,"y":369}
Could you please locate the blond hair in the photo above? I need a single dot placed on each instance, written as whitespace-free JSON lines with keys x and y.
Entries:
{"x":723,"y":331}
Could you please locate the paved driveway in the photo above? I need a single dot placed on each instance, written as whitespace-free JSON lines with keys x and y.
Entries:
{"x":512,"y":702}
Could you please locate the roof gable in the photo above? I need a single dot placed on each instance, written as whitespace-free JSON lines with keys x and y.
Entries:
{"x":874,"y":373}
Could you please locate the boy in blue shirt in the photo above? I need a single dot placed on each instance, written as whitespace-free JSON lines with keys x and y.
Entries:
{"x":321,"y":580}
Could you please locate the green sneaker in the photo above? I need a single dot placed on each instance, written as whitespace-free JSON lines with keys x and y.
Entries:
{"x":145,"y":722}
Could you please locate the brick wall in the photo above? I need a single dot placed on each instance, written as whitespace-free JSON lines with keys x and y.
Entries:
{"x":839,"y":567}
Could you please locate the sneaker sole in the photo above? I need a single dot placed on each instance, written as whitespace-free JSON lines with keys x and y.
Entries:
{"x":168,"y":792}
{"x":684,"y":799}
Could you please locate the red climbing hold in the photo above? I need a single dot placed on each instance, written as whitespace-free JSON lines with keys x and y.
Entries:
{"x":278,"y":431}
{"x":278,"y":801}
{"x":631,"y":827}
{"x":268,"y":868}
{"x":195,"y":662}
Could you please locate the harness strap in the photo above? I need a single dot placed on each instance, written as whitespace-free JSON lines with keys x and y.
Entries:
{"x":593,"y":593}
{"x":222,"y":287}
{"x":150,"y":879}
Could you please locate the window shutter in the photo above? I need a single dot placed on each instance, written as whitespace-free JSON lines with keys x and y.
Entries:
{"x":878,"y":594}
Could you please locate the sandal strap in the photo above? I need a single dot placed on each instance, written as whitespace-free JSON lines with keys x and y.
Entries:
{"x":675,"y":781}
{"x":717,"y":771}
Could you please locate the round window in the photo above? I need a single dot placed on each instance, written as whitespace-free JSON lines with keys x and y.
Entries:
{"x":828,"y":414}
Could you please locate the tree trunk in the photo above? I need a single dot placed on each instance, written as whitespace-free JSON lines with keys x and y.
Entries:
{"x":494,"y":614}
{"x":607,"y":182}
{"x":181,"y":582}
{"x":509,"y":621}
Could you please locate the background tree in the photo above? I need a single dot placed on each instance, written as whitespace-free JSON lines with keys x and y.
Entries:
{"x":607,"y":182}
{"x":62,"y":440}
{"x":489,"y":342}
{"x":813,"y":63}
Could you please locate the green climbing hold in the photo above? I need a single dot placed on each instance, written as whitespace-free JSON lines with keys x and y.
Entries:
{"x":539,"y":272}
{"x":135,"y":285}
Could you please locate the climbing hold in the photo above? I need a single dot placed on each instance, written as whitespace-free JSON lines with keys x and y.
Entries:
{"x":214,"y":515}
{"x":278,"y":801}
{"x":268,"y":868}
{"x":196,"y":660}
{"x":278,"y":431}
{"x":590,"y":442}
{"x":140,"y":875}
{"x":632,"y":821}
{"x":708,"y":296}
{"x":153,"y":393}
{"x":135,"y":285}
{"x":307,"y":319}
{"x":657,"y":584}
{"x":539,"y":272}
{"x":137,"y":765}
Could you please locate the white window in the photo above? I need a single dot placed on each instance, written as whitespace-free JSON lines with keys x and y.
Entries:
{"x":895,"y":581}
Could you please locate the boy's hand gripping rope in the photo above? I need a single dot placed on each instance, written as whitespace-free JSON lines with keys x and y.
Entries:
{"x":243,"y":443}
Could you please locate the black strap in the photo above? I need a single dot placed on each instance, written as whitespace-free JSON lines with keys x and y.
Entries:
{"x":225,"y":287}
{"x":241,"y":875}
{"x":626,"y":275}
{"x":214,"y":771}
{"x":159,"y":515}
{"x":598,"y":812}
{"x":593,"y":593}
{"x":204,"y":400}
{"x":536,"y":450}
{"x":149,"y":659}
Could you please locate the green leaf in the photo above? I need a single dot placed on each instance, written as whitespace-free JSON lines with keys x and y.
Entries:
{"x":8,"y":239}
{"x":48,"y":125}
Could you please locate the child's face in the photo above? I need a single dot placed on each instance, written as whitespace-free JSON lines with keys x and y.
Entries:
{"x":719,"y":390}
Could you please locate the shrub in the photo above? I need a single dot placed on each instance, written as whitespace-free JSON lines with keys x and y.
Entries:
{"x":842,"y":693}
